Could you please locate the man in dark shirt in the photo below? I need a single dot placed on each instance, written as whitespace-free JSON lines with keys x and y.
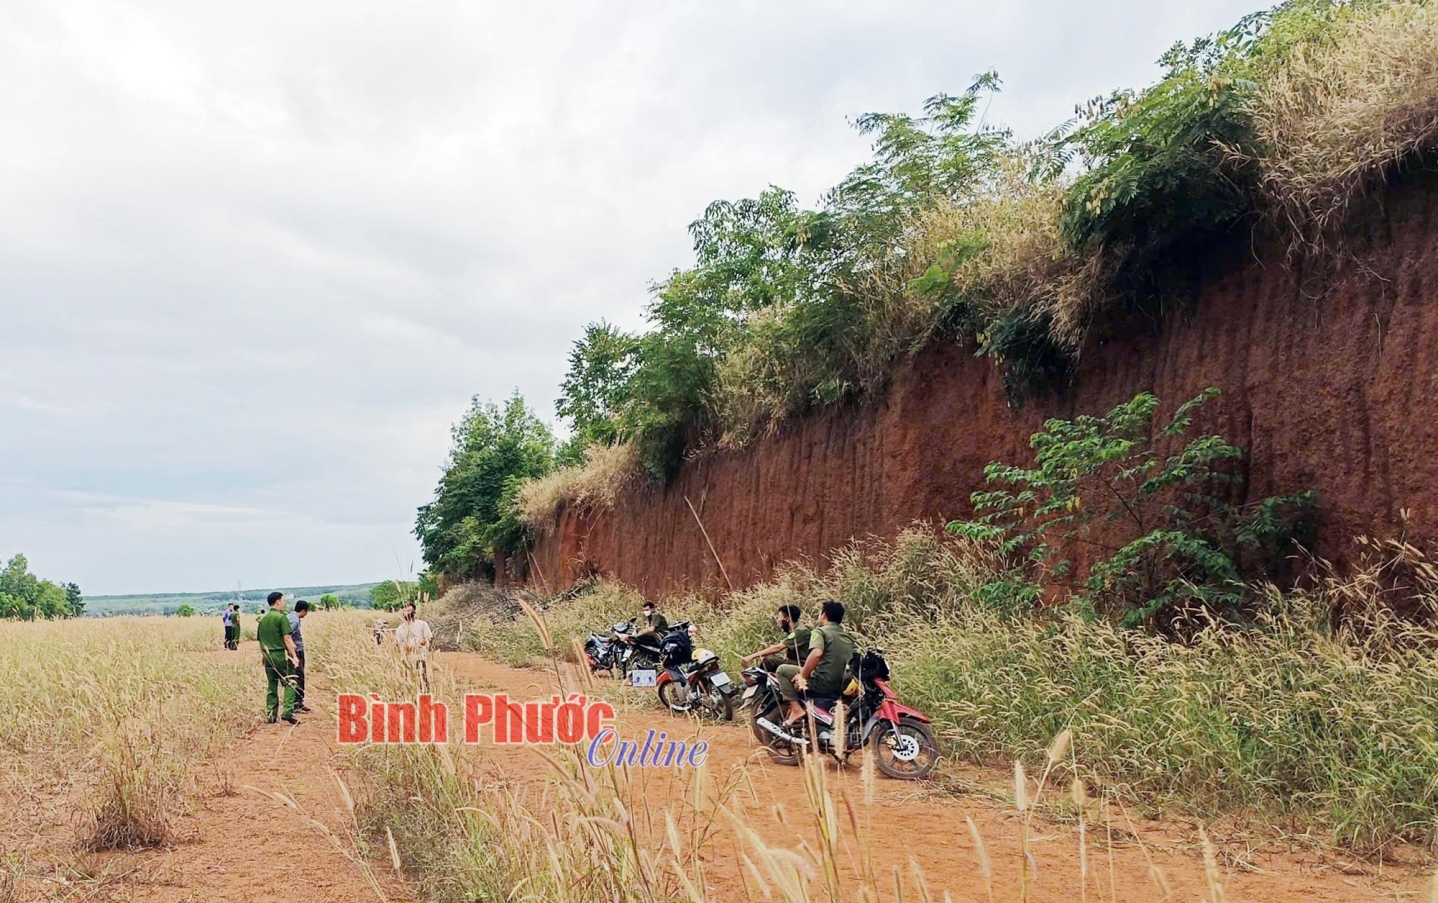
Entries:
{"x":302,"y":608}
{"x":789,"y":650}
{"x":825,"y":669}
{"x":652,"y":628}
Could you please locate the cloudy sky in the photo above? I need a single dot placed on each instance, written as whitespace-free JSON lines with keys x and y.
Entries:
{"x":256,"y":257}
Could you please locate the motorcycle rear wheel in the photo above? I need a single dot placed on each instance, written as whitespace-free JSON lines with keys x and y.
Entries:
{"x":906,"y":751}
{"x":722,"y":705}
{"x":781,"y":751}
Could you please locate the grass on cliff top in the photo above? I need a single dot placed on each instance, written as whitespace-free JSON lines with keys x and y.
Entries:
{"x":1289,"y":720}
{"x":607,"y":471}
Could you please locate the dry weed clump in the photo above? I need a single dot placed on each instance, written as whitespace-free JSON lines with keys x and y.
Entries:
{"x":138,"y":712}
{"x":462,"y":831}
{"x":606,"y":472}
{"x":1344,"y":113}
{"x":1008,"y":254}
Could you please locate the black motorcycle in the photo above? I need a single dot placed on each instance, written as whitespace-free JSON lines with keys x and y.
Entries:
{"x":900,"y":737}
{"x":606,"y":653}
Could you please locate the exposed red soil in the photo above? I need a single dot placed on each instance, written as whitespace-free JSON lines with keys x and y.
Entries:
{"x":917,"y":824}
{"x":236,"y":844}
{"x":249,"y":847}
{"x":1328,"y":377}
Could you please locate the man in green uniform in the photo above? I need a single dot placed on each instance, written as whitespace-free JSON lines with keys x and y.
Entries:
{"x":277,"y":651}
{"x":788,"y":651}
{"x":825,"y":671}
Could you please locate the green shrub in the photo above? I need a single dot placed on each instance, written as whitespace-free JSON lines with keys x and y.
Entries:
{"x":1167,"y":542}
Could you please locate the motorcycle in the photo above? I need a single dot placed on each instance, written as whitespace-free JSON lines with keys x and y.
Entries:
{"x":605,"y":653}
{"x":696,"y":684}
{"x":900,"y":737}
{"x":638,"y":651}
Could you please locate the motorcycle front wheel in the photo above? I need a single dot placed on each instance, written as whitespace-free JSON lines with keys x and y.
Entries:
{"x":907,"y":750}
{"x":676,"y":697}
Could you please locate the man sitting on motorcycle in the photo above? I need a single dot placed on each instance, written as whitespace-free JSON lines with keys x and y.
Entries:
{"x":791,"y":649}
{"x":652,"y":627}
{"x":825,"y":670}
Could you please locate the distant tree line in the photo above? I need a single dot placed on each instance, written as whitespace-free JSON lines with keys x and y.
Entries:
{"x":26,"y":597}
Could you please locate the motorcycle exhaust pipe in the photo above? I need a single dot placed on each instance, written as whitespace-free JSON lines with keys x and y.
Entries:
{"x":779,"y":732}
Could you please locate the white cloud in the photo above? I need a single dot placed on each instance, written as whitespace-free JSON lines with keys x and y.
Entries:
{"x":257,"y":257}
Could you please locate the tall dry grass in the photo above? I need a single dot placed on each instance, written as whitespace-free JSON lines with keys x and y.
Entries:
{"x":127,"y":707}
{"x":606,"y":472}
{"x":1345,"y":112}
{"x":1291,"y":718}
{"x":461,"y":828}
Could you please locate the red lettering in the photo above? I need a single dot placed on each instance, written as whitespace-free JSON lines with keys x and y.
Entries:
{"x":352,"y":721}
{"x":598,"y":718}
{"x":508,"y":720}
{"x":478,"y":709}
{"x":433,"y":720}
{"x":400,"y":721}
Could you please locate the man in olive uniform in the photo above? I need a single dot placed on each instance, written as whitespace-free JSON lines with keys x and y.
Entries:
{"x":825,"y":670}
{"x":788,"y":651}
{"x":277,"y":650}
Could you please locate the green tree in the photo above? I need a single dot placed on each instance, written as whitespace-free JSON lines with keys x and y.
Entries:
{"x":25,"y":596}
{"x":392,"y":594}
{"x":1164,"y":536}
{"x":596,"y":387}
{"x":186,"y":610}
{"x":796,"y":301}
{"x":329,"y":602}
{"x":74,"y":600}
{"x":494,"y":450}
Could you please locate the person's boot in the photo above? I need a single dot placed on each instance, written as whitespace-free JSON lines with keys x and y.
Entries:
{"x":290,"y":719}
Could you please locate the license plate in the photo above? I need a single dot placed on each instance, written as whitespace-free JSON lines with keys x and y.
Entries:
{"x":720,"y":679}
{"x":750,"y":691}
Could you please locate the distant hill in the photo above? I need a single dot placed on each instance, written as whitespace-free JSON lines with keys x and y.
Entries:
{"x":356,"y":595}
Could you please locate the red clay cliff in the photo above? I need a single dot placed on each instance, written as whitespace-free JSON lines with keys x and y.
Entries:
{"x":1328,"y":374}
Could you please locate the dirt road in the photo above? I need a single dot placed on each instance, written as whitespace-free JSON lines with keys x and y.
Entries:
{"x":911,"y":824}
{"x":244,"y":841}
{"x":238,"y":843}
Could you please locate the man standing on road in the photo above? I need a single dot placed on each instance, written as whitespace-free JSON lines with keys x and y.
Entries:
{"x":228,"y":619}
{"x":413,"y":636}
{"x":277,"y":651}
{"x":823,"y":672}
{"x":302,"y":608}
{"x":788,"y":651}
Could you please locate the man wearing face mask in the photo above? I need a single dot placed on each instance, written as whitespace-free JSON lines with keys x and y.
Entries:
{"x":414,"y":636}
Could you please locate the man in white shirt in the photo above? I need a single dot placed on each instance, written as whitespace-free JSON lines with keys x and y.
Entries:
{"x":413,"y":637}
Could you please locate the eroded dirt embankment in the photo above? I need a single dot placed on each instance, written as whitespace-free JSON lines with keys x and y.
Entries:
{"x":1329,"y":377}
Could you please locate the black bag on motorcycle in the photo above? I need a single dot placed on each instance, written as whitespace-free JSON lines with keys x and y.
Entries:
{"x":677,"y":649}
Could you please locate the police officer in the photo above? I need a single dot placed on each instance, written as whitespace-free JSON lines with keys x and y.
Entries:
{"x":791,"y":649}
{"x":277,"y":651}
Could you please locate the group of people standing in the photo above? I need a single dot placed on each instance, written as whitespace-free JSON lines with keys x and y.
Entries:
{"x":282,"y":651}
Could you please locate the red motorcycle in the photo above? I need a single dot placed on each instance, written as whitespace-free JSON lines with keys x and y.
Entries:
{"x":900,"y":736}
